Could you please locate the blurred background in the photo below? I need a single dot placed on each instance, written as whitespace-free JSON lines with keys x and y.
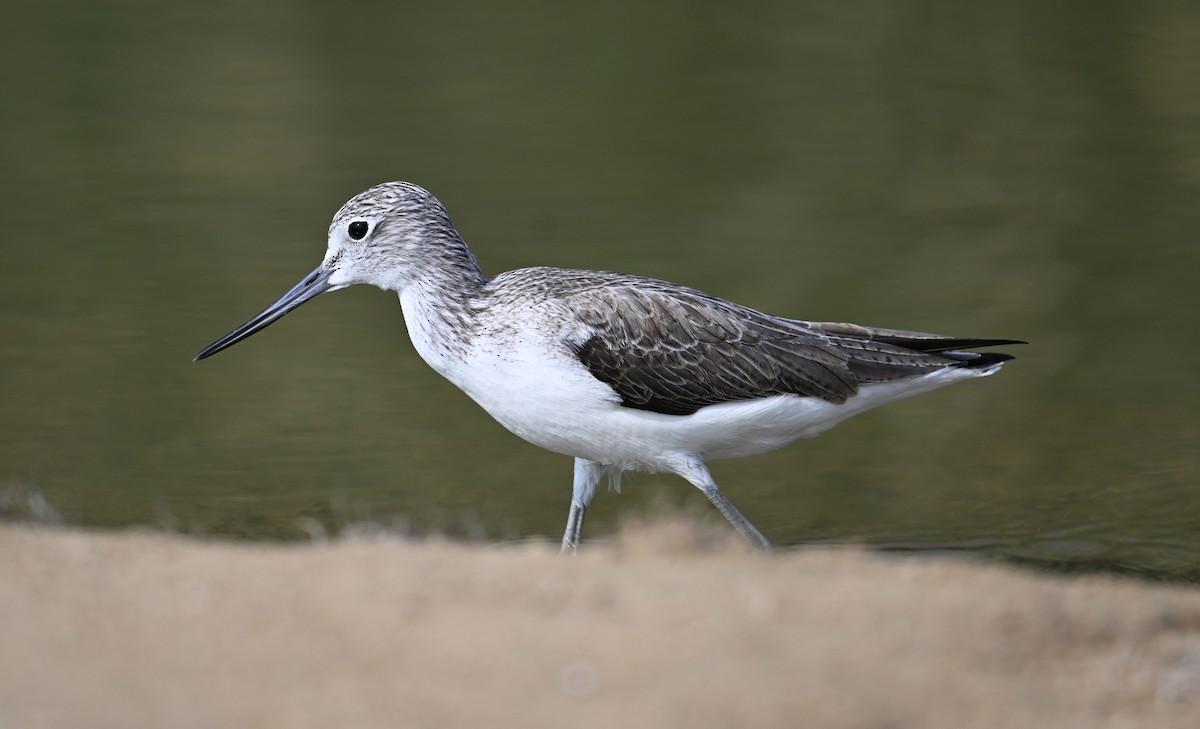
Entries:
{"x":1020,"y":170}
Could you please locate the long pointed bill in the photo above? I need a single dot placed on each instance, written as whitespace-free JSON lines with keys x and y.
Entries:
{"x":313,"y":284}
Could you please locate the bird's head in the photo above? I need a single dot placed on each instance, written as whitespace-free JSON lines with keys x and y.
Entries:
{"x":391,"y":236}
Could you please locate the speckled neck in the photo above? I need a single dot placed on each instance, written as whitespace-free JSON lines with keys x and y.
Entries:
{"x":440,"y":301}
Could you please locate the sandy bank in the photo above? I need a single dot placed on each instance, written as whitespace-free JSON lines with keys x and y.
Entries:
{"x":657,"y":629}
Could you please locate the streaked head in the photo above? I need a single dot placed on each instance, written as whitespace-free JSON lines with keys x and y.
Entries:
{"x":389,"y":236}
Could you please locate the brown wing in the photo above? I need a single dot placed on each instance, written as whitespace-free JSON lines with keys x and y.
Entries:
{"x":673,"y":350}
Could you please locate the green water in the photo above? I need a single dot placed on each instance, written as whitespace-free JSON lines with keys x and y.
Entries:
{"x":1022,"y":170}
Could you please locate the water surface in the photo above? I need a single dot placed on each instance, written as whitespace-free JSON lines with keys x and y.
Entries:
{"x":1025,"y":171}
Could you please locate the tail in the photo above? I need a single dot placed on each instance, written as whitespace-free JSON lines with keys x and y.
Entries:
{"x":916,"y":349}
{"x":955,"y":349}
{"x":980,"y":360}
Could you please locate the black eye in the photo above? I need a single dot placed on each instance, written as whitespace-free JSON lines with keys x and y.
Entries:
{"x":358,"y":229}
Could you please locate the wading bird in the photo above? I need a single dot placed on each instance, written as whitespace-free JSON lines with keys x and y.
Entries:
{"x":619,"y":371}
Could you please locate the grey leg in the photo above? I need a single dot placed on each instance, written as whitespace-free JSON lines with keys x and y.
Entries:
{"x":697,"y":474}
{"x":570,"y":542}
{"x":587,"y":475}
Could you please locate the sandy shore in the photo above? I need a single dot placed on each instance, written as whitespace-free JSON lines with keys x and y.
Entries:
{"x":664,"y":627}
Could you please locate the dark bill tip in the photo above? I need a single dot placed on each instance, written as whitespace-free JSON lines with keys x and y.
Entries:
{"x":313,"y":284}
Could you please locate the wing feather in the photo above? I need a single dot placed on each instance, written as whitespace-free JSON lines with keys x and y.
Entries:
{"x":673,"y":350}
{"x":670,"y":349}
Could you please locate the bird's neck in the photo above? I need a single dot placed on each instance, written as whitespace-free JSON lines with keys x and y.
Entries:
{"x":438,"y":306}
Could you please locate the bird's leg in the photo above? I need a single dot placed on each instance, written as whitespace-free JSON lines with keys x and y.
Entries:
{"x":587,"y":475}
{"x":694,"y":470}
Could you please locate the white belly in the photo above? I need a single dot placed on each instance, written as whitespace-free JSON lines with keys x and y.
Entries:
{"x":562,"y":408}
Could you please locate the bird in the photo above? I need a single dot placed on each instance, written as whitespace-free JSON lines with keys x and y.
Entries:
{"x":620,"y":372}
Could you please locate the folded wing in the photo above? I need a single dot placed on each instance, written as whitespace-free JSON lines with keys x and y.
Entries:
{"x":672,"y":350}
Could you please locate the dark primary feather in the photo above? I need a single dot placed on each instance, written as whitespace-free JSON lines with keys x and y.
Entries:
{"x":673,"y":350}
